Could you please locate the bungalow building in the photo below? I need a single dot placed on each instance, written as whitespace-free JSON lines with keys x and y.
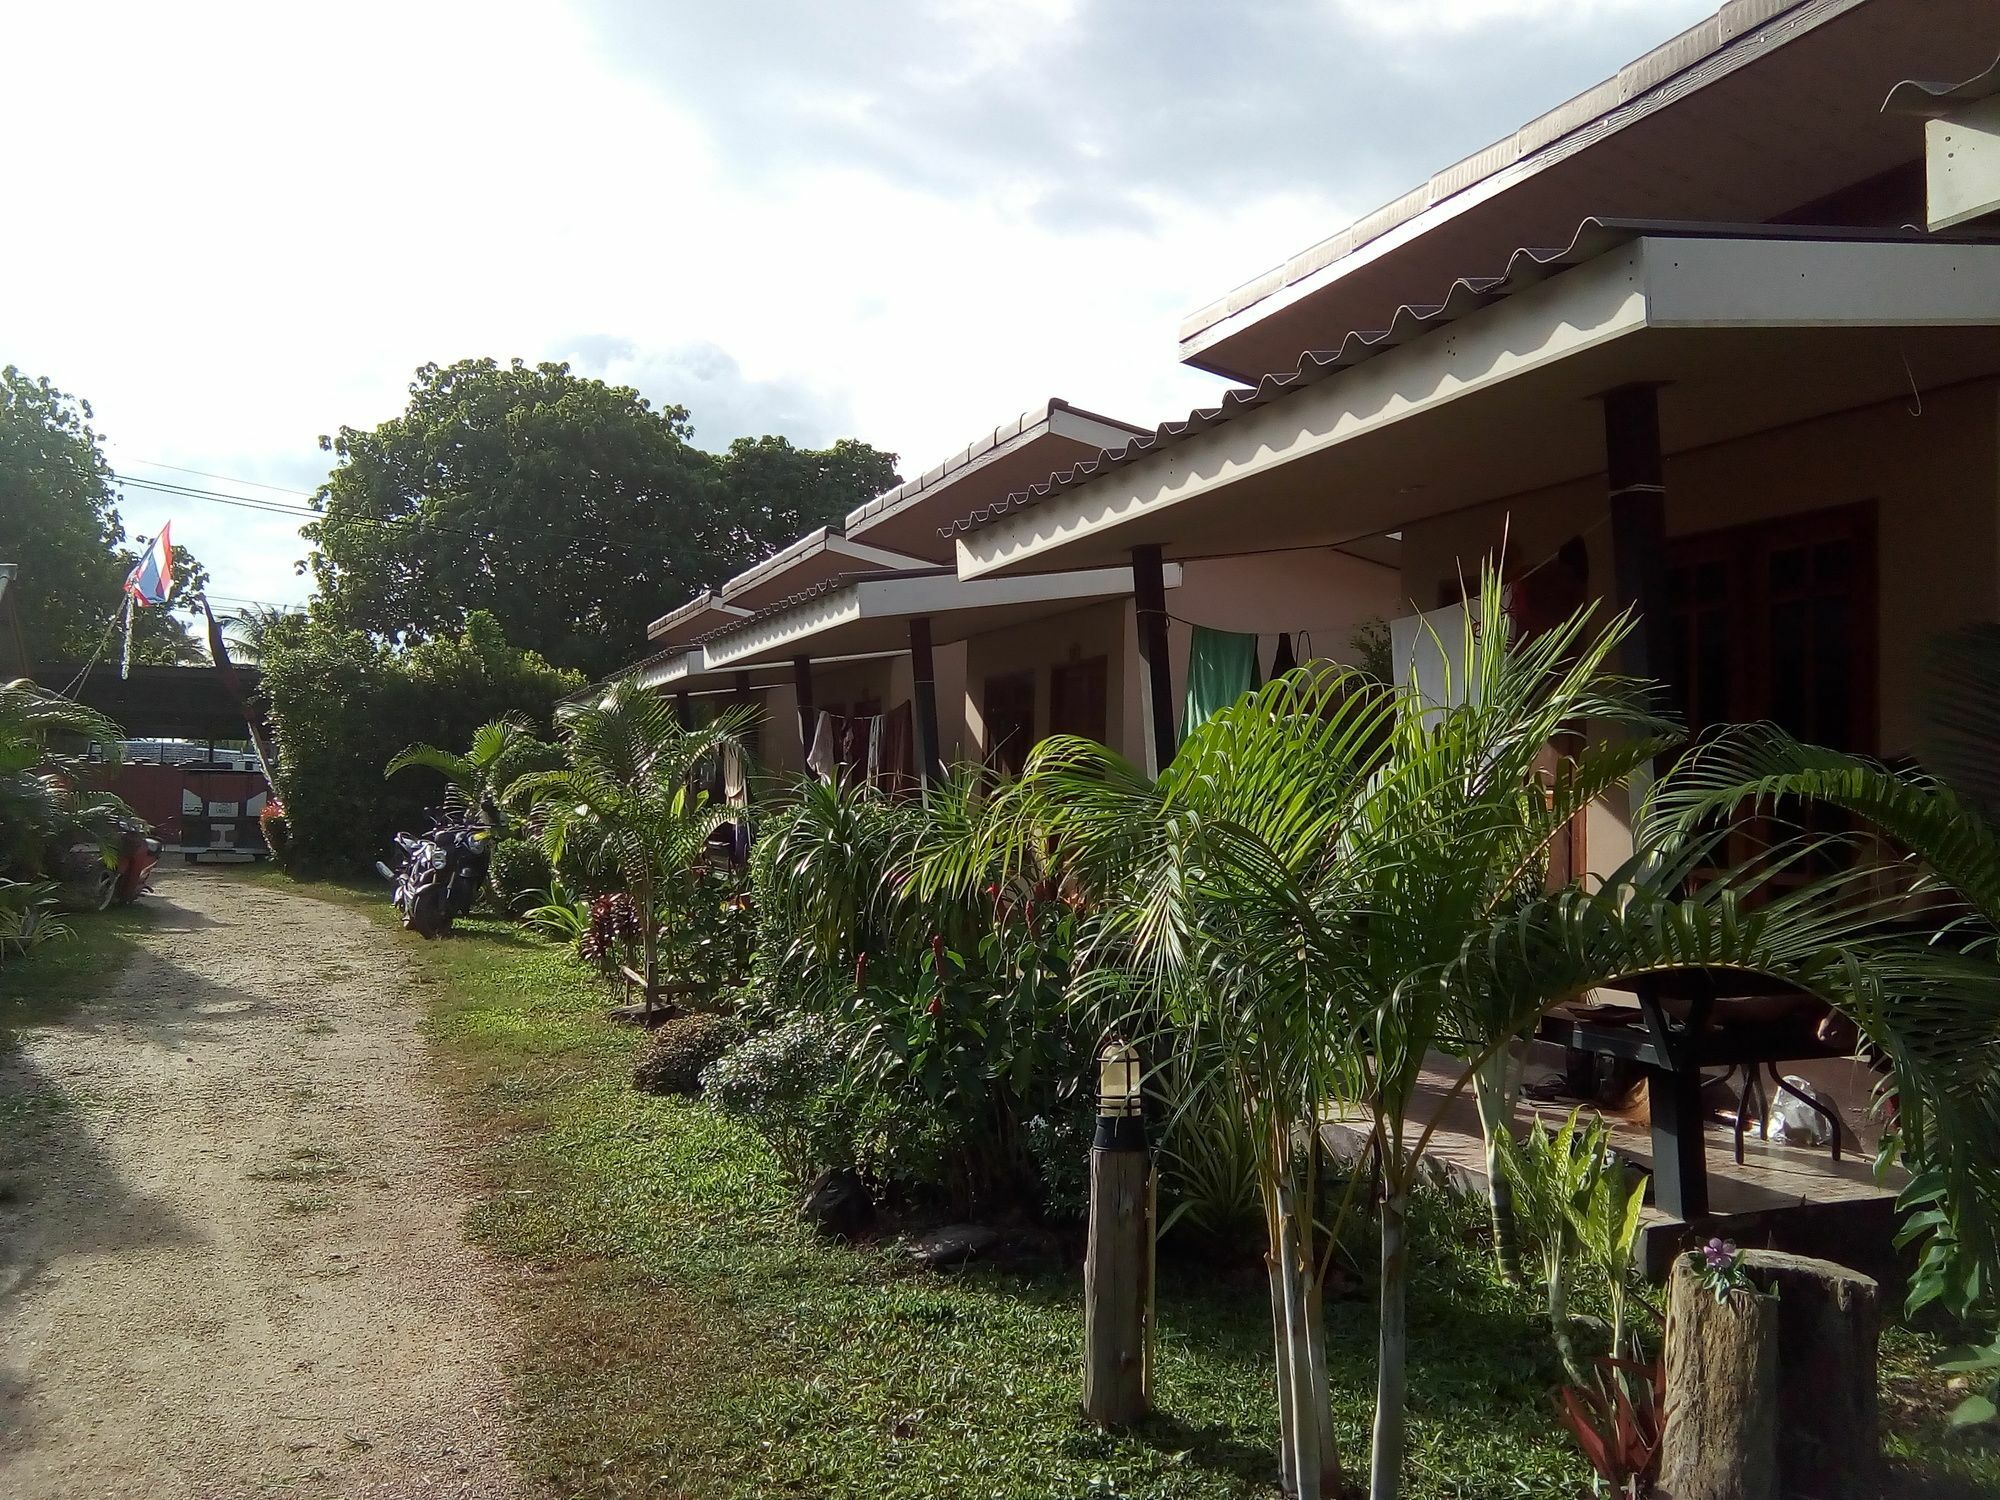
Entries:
{"x":1719,"y":339}
{"x":870,"y":621}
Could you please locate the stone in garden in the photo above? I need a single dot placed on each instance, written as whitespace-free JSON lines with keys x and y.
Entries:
{"x":837,"y":1204}
{"x":953,"y":1245}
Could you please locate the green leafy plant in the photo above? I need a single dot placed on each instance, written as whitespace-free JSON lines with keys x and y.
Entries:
{"x":788,"y":1085}
{"x":1980,"y":1364}
{"x":630,"y":803}
{"x":45,"y":795}
{"x":519,"y":872}
{"x":28,"y":915}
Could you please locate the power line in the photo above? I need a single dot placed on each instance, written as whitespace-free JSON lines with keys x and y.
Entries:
{"x":413,"y":522}
{"x":255,"y":484}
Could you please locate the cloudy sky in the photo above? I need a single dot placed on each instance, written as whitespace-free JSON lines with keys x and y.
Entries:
{"x":236,"y":228}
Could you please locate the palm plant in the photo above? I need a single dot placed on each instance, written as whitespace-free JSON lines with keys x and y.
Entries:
{"x":248,"y":631}
{"x":503,"y":750}
{"x":43,"y":773}
{"x":1935,"y":1014}
{"x":631,"y":802}
{"x":1331,"y":881}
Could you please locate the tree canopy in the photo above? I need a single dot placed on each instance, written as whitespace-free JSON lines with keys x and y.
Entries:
{"x":59,"y":521}
{"x":570,"y":510}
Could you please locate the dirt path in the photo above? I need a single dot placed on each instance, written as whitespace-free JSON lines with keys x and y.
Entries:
{"x":230,"y":1254}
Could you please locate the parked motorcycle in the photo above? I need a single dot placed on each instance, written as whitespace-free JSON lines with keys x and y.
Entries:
{"x":97,"y":875}
{"x":440,"y":873}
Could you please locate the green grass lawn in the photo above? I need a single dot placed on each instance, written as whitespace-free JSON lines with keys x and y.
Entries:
{"x":684,"y":1335}
{"x":45,"y":982}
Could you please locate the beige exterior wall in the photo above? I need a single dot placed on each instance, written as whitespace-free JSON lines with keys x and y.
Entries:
{"x":1318,"y":596}
{"x":1934,"y":479}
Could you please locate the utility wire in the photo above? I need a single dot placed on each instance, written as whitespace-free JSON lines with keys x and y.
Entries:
{"x":255,"y":484}
{"x":305,"y":513}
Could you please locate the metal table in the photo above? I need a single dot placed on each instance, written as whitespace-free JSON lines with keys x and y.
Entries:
{"x":1673,"y":1053}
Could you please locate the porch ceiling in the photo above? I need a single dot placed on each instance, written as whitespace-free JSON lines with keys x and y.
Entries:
{"x":688,"y":671}
{"x":1491,"y":393}
{"x":872,"y":615}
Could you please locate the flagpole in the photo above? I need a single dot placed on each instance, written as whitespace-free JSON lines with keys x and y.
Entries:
{"x":125,"y":660}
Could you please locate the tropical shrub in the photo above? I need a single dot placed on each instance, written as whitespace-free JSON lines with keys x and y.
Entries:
{"x":28,"y":915}
{"x":788,"y":1085}
{"x":680,"y":1050}
{"x":276,"y":828}
{"x":558,"y":915}
{"x":950,"y":1006}
{"x":45,"y":794}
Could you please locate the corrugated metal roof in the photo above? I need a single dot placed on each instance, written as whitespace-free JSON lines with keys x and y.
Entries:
{"x":999,"y":437}
{"x":1525,"y":267}
{"x":1685,"y":61}
{"x":1913,"y":96}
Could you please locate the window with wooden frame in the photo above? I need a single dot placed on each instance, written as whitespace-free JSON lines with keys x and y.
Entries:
{"x":1776,"y":621}
{"x":1007,"y":703}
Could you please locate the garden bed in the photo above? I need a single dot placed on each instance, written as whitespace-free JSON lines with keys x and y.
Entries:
{"x":686,"y":1335}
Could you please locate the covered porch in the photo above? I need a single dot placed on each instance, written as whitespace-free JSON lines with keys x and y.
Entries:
{"x":1780,"y":446}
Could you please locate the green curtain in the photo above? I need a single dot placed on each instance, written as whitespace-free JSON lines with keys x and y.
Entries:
{"x":1222,"y":667}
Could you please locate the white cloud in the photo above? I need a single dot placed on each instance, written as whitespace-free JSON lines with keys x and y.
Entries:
{"x":245,"y":226}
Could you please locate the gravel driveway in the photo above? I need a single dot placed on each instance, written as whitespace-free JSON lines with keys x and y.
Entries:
{"x":230,"y":1202}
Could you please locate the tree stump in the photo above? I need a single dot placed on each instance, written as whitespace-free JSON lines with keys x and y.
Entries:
{"x":1828,"y":1321}
{"x":1721,"y":1438}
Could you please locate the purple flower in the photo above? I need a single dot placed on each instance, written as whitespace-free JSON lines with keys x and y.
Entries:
{"x":1719,"y":1254}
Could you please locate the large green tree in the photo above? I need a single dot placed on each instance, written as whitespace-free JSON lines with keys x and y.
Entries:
{"x":570,"y":510}
{"x":59,"y":523}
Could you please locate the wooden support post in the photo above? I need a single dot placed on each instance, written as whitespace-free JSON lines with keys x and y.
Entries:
{"x":683,"y":709}
{"x":1156,"y":686}
{"x":739,"y":697}
{"x":1117,"y":1264}
{"x":1680,"y":1161}
{"x":923,"y":679}
{"x":802,"y":685}
{"x":1721,"y":1436}
{"x":1635,"y":475}
{"x":1114,"y":1286}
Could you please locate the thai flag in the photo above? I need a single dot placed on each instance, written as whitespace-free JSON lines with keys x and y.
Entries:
{"x":153,"y":579}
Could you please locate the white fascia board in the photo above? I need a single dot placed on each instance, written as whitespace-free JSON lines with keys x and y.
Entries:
{"x":936,"y":594}
{"x":1599,"y":301}
{"x":1820,"y":284}
{"x":881,"y":556}
{"x":705,"y":600}
{"x":672,"y":670}
{"x":838,"y":607}
{"x":1083,"y":428}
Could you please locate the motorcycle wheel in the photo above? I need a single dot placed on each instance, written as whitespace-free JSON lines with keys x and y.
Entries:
{"x":426,"y":915}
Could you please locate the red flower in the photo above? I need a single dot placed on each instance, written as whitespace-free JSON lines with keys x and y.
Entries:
{"x":860,"y":970}
{"x":936,"y":1007}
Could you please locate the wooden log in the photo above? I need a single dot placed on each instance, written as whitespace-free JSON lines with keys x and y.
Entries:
{"x":1829,"y":1319}
{"x":1114,"y":1287}
{"x":1721,"y":1437}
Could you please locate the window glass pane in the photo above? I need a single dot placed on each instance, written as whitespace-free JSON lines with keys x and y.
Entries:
{"x":1788,"y":570}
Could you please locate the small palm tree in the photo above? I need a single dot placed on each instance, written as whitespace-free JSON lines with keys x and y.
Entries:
{"x":503,"y":750}
{"x":1332,"y":881}
{"x":630,"y":801}
{"x":44,"y":771}
{"x":1936,"y":1016}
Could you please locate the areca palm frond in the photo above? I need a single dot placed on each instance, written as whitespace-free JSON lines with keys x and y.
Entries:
{"x":502,"y":751}
{"x":43,"y":766}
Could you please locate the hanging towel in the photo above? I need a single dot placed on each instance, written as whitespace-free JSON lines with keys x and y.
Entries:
{"x":823,"y":760}
{"x":1222,"y":667}
{"x":1282,"y":660}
